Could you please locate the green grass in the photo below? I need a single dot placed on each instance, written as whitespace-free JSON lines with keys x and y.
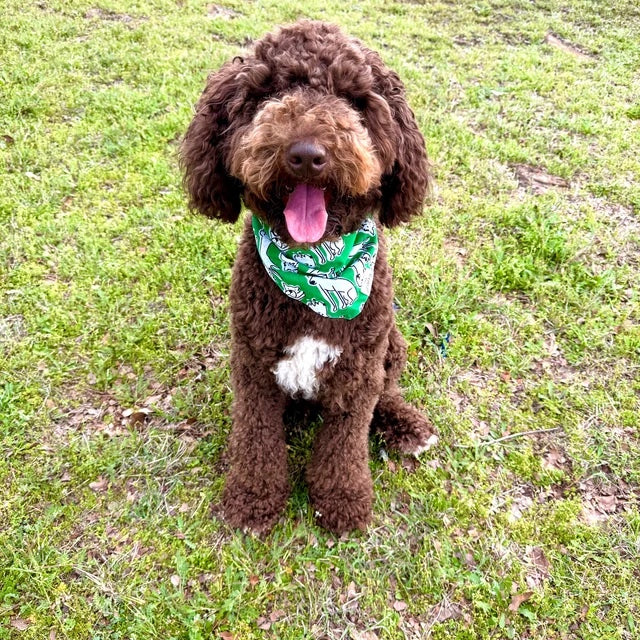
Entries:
{"x":113,"y":298}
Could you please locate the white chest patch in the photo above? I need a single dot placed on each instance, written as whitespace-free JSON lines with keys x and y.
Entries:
{"x":298,"y":372}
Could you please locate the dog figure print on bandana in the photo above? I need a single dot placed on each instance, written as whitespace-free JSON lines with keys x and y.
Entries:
{"x":332,"y":278}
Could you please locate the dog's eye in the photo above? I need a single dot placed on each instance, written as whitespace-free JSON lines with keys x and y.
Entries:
{"x":359,"y":103}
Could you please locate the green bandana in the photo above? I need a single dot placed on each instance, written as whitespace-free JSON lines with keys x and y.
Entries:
{"x":333,"y":278}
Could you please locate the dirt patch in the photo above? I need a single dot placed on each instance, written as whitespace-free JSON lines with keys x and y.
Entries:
{"x":467,"y":387}
{"x":12,"y":329}
{"x":455,"y":251}
{"x":210,"y":357}
{"x":604,"y":498}
{"x":566,"y":46}
{"x":554,"y":364}
{"x":514,"y":38}
{"x":621,"y":216}
{"x":537,"y":180}
{"x":467,"y":40}
{"x":101,"y":414}
{"x":112,"y":16}
{"x":219,"y":12}
{"x":617,"y":241}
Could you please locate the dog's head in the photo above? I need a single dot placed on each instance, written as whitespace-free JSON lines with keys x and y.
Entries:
{"x":312,"y":131}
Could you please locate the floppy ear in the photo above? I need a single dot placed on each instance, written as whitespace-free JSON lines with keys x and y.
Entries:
{"x":406,"y":183}
{"x":212,"y":190}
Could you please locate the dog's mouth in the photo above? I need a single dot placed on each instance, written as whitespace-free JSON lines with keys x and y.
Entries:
{"x":305,"y":213}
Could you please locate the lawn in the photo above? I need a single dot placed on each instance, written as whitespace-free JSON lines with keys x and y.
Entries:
{"x":517,"y":291}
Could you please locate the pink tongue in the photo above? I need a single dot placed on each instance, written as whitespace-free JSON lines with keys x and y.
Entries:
{"x":305,"y":214}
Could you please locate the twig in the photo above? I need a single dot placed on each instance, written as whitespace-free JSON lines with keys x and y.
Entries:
{"x":509,"y":437}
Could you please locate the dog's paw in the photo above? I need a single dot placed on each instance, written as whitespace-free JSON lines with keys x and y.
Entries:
{"x":404,"y":429}
{"x":245,"y":509}
{"x":413,"y":443}
{"x":421,"y":447}
{"x":343,"y":512}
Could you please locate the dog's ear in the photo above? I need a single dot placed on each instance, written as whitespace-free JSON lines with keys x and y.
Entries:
{"x":407,"y":178}
{"x":212,"y":190}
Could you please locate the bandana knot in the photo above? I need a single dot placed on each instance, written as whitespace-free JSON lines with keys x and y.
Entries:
{"x":332,"y":278}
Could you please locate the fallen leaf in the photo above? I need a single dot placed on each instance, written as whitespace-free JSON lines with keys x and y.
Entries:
{"x":540,"y":561}
{"x":253,"y":580}
{"x":518,"y":599}
{"x":607,"y":503}
{"x":469,"y":560}
{"x":52,"y":634}
{"x":175,"y":580}
{"x":276,"y":615}
{"x":541,"y":568}
{"x":553,"y":459}
{"x":520,"y":504}
{"x":99,"y":485}
{"x":444,"y":611}
{"x":21,"y":624}
{"x":227,"y":635}
{"x":399,"y":605}
{"x":263,"y":624}
{"x":591,"y":516}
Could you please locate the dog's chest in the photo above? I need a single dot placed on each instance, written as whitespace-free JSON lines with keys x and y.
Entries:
{"x":298,"y":372}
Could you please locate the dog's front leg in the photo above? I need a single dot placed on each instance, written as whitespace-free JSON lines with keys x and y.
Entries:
{"x":257,"y":486}
{"x":338,"y":475}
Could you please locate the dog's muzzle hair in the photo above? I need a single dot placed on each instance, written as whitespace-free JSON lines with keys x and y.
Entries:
{"x":305,"y":137}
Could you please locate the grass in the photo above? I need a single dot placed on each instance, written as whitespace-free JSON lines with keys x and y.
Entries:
{"x":517,"y":291}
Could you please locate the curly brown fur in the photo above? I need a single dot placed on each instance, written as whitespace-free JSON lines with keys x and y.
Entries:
{"x":308,"y":84}
{"x":259,"y":161}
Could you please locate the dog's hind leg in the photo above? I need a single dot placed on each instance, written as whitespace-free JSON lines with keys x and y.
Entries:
{"x":403,"y":428}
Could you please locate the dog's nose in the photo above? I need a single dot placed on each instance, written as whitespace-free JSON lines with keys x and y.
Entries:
{"x":306,"y":159}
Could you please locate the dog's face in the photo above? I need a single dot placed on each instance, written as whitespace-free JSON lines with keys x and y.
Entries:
{"x":300,"y":157}
{"x":312,"y":131}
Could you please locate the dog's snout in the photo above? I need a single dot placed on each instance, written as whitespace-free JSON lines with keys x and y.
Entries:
{"x":306,"y":159}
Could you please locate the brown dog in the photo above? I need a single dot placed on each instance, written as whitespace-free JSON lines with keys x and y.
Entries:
{"x":313,"y":133}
